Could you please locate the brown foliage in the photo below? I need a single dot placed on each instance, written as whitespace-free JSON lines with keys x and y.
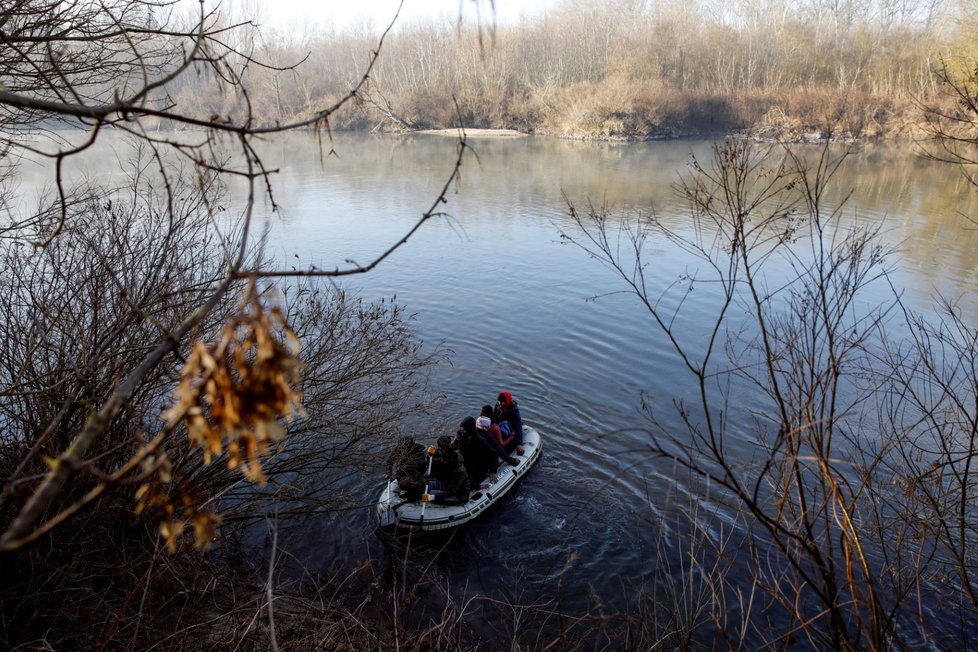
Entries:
{"x":233,"y":392}
{"x":231,"y":396}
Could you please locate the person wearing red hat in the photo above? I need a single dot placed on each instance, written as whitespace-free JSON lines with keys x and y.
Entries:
{"x":508,"y":412}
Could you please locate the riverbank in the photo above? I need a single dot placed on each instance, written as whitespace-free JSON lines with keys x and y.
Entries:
{"x":598,"y":71}
{"x":613,"y":111}
{"x":475,"y":133}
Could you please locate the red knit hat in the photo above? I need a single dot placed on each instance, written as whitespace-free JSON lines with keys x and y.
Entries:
{"x":505,"y":399}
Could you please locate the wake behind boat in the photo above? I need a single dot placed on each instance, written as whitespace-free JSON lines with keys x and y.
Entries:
{"x":394,"y":511}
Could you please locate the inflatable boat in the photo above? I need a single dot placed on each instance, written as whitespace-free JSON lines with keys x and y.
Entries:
{"x":394,"y":512}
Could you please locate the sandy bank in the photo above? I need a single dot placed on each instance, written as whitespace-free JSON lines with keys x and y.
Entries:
{"x":476,"y":133}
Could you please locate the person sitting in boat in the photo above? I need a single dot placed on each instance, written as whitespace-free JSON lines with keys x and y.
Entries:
{"x":449,"y":479}
{"x":508,"y":412}
{"x":407,"y":464}
{"x":507,"y":440}
{"x":480,"y":452}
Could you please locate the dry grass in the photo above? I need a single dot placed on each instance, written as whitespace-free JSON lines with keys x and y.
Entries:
{"x":618,"y":108}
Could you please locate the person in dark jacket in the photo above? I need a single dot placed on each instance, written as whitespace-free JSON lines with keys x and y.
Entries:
{"x":407,"y":464}
{"x":508,"y":412}
{"x":451,"y":481}
{"x":480,"y":452}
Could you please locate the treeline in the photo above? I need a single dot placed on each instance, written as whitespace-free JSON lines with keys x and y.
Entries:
{"x":628,"y":69}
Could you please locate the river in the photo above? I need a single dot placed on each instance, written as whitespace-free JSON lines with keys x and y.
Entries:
{"x":493,"y":286}
{"x":492,"y":283}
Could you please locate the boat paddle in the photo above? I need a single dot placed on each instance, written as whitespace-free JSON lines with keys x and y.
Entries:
{"x":425,"y":497}
{"x":390,"y":515}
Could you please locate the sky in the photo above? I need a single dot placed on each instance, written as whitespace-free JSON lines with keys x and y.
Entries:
{"x":344,"y":13}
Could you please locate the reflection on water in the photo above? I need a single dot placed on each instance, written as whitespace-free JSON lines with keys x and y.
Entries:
{"x":492,"y":283}
{"x":357,"y":200}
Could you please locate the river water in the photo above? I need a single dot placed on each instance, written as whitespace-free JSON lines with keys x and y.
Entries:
{"x":492,"y":283}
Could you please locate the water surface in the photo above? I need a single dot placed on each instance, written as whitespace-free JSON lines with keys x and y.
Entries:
{"x":492,"y":283}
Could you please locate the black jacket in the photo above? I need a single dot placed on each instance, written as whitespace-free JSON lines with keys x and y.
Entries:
{"x":480,"y":452}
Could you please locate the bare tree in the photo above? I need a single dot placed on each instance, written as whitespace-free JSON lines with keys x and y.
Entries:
{"x":793,"y":336}
{"x":930,"y":410}
{"x":952,"y":124}
{"x":114,"y":66}
{"x":931,"y":413}
{"x":143,"y":336}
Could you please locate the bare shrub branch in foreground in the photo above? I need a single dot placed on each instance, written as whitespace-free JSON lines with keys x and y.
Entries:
{"x":114,"y":293}
{"x":785,"y":380}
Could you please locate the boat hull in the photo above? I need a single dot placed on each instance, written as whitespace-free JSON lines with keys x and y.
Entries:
{"x":394,"y":512}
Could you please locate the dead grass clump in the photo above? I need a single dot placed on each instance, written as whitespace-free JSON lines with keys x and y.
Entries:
{"x":828,"y":113}
{"x":620,"y":108}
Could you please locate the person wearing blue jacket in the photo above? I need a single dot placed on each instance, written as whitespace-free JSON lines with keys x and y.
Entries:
{"x":508,"y":412}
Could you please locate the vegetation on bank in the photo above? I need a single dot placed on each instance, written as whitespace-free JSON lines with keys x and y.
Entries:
{"x":621,"y":69}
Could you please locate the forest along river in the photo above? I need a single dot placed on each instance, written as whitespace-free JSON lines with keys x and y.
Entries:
{"x":494,"y":285}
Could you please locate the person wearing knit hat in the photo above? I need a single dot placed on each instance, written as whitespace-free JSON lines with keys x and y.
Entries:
{"x":507,"y":411}
{"x":480,"y":452}
{"x":505,"y":439}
